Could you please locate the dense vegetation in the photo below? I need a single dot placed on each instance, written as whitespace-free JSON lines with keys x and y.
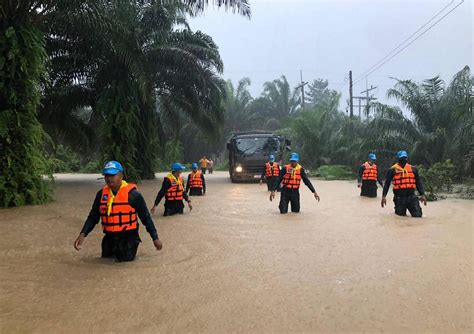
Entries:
{"x":83,"y":82}
{"x":112,"y":76}
{"x":436,"y":124}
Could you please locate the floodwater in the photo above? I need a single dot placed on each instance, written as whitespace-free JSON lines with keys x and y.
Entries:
{"x":234,"y":264}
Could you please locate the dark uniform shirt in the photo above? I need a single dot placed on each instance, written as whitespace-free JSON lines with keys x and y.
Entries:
{"x":164,"y":188}
{"x":361,"y":171}
{"x":304,"y":178}
{"x":136,"y":200}
{"x":188,"y":183}
{"x":402,"y":192}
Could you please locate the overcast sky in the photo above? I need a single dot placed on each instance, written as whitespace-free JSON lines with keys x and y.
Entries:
{"x":326,"y":39}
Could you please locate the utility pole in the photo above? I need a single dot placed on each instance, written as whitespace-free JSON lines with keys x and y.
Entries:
{"x":302,"y":88}
{"x":351,"y":105}
{"x":368,"y":99}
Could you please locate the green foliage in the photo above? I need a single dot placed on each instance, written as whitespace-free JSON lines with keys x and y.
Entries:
{"x":22,"y":164}
{"x":120,"y":130}
{"x":173,"y":152}
{"x":335,"y":172}
{"x":223,"y":166}
{"x":64,"y":160}
{"x":92,"y":167}
{"x":437,"y":179}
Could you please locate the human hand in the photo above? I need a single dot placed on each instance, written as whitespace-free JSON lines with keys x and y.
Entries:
{"x":79,"y":241}
{"x":190,"y":206}
{"x":423,"y":200}
{"x":272,"y":196}
{"x":316,"y":196}
{"x":153,"y":209}
{"x":359,"y":185}
{"x":158,"y":244}
{"x":383,"y":202}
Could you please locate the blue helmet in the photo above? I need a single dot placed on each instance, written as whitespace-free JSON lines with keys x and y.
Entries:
{"x":372,"y":156}
{"x":271,"y":157}
{"x":112,"y":167}
{"x":195,"y":166}
{"x":177,"y":167}
{"x":402,"y":154}
{"x":294,"y":157}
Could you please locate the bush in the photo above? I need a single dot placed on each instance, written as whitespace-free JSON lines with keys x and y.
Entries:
{"x":335,"y":172}
{"x":92,"y":167}
{"x":438,"y":178}
{"x":223,"y":166}
{"x":64,"y":160}
{"x":173,"y":153}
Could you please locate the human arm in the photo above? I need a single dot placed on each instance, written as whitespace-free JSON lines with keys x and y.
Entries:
{"x":359,"y":175}
{"x":203,"y":184}
{"x":137,"y":201}
{"x":164,"y":188}
{"x":386,"y":187}
{"x":419,"y":186}
{"x":188,"y":183}
{"x":91,"y":221}
{"x":308,"y":183}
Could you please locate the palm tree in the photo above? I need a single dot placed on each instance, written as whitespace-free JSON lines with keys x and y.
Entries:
{"x":238,"y":115}
{"x":436,"y":112}
{"x":278,"y":102}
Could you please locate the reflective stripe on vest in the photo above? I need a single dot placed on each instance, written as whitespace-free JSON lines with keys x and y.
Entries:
{"x":404,"y":178}
{"x":370,"y":172}
{"x":122,"y":217}
{"x":292,"y":177}
{"x":272,"y":170}
{"x":195,"y":180}
{"x":175,"y":192}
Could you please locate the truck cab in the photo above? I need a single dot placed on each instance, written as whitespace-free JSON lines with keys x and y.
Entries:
{"x":249,"y":151}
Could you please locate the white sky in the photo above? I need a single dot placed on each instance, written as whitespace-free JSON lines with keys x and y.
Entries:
{"x":326,"y":39}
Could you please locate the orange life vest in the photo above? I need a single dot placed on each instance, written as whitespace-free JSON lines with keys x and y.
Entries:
{"x":272,"y":170}
{"x":370,"y":172}
{"x":292,"y":177}
{"x":404,"y":178}
{"x":195,"y":180}
{"x":175,"y":192}
{"x":122,"y":216}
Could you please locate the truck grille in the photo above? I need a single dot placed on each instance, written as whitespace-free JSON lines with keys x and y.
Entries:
{"x":252,"y":169}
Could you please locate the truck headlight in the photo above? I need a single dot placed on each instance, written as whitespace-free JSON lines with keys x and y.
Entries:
{"x":238,"y":169}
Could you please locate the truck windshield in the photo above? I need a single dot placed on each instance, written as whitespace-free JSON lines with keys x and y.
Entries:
{"x":264,"y":145}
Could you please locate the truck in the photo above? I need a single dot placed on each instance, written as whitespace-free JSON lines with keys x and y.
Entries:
{"x":249,"y":151}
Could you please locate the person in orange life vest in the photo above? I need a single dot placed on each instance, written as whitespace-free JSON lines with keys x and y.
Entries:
{"x":203,"y":163}
{"x":172,"y":190}
{"x":405,"y":180}
{"x":290,"y":179}
{"x":368,"y":177}
{"x":271,"y":172}
{"x":196,"y":185}
{"x":118,"y":205}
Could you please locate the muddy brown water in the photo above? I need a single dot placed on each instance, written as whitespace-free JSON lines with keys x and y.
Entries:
{"x":234,"y":264}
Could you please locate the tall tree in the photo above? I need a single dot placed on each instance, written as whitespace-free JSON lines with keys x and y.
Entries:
{"x":320,"y":96}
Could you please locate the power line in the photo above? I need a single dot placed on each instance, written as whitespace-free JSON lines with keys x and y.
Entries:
{"x":375,"y":67}
{"x":408,"y":38}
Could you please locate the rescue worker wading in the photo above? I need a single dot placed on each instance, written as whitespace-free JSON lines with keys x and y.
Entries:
{"x":196,"y":185}
{"x":118,"y":205}
{"x":368,"y":177}
{"x":290,"y":180}
{"x":405,"y":180}
{"x":173,"y":192}
{"x":203,"y":163}
{"x":271,"y":173}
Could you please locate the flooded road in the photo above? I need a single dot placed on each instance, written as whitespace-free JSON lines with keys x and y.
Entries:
{"x":234,"y":264}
